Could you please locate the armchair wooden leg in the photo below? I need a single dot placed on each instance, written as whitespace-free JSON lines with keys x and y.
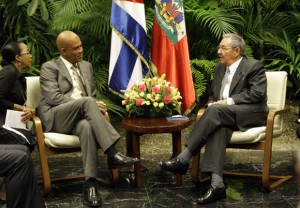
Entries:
{"x":46,"y":183}
{"x":114,"y":180}
{"x":195,"y":168}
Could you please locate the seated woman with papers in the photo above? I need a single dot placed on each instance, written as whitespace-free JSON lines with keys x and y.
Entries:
{"x":14,"y":113}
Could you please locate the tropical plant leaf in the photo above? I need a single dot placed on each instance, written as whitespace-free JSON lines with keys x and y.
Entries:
{"x":32,"y":7}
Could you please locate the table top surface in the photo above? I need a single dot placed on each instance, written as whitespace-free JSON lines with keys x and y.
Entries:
{"x":154,"y":125}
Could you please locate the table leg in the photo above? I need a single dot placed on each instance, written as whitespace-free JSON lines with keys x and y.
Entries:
{"x":136,"y":153}
{"x":129,"y":144}
{"x":176,"y":140}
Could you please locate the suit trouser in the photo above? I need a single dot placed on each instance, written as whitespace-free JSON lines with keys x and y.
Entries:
{"x":83,"y":118}
{"x":21,"y":186}
{"x":214,"y":130}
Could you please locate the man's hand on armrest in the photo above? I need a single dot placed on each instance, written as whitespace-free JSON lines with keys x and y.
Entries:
{"x":102,"y":107}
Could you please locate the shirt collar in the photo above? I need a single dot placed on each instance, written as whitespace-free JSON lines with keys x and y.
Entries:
{"x":234,"y":66}
{"x":66,"y":62}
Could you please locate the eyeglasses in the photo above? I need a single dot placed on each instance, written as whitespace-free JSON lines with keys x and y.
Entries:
{"x":25,"y":53}
{"x":223,"y":48}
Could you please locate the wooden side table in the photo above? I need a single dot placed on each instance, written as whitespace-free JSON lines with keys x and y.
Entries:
{"x":138,"y":126}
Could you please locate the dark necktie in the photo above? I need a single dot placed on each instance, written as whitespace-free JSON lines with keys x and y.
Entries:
{"x":224,"y":82}
{"x":78,"y":79}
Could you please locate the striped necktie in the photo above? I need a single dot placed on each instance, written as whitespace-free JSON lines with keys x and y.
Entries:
{"x":78,"y":79}
{"x":224,"y":82}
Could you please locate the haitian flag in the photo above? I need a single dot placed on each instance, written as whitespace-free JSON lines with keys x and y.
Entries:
{"x":170,"y":53}
{"x":128,"y":55}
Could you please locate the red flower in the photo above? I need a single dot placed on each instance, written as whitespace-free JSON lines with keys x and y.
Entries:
{"x":167,"y":100}
{"x":142,"y":87}
{"x":139,"y":102}
{"x":126,"y":100}
{"x":169,"y":90}
{"x":155,"y":89}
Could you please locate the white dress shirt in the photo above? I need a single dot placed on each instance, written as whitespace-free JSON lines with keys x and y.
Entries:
{"x":232,"y":69}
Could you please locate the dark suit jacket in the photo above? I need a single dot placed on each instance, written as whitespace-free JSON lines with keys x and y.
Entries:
{"x":12,"y":90}
{"x":248,"y":89}
{"x":57,"y":87}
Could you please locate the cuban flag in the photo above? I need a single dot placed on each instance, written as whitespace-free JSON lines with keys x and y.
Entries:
{"x":128,"y":55}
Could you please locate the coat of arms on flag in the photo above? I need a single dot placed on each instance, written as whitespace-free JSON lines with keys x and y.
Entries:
{"x":169,"y":16}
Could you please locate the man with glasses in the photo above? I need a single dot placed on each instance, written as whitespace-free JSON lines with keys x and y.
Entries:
{"x":238,"y":100}
{"x":69,"y":106}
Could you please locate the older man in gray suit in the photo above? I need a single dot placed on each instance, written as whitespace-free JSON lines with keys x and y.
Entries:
{"x":69,"y":106}
{"x":237,"y":101}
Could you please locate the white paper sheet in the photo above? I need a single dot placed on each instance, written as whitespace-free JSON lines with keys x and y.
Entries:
{"x":13,"y":119}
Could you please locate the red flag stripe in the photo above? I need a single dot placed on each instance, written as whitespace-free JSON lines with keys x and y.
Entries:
{"x":173,"y":60}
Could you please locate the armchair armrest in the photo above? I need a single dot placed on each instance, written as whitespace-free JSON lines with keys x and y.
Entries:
{"x":200,"y":113}
{"x":37,"y":124}
{"x":106,"y":116}
{"x":270,"y":122}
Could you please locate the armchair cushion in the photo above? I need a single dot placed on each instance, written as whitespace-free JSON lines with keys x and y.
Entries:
{"x":57,"y":140}
{"x":252,"y":135}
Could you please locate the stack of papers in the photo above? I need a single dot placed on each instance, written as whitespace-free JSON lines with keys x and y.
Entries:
{"x":177,"y":118}
{"x":13,"y":119}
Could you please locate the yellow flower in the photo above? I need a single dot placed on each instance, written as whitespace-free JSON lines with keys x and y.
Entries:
{"x":152,"y":93}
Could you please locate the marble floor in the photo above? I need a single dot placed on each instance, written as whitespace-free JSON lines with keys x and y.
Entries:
{"x":159,"y":190}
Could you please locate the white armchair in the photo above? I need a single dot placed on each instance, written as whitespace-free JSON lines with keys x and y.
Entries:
{"x":52,"y":143}
{"x":259,"y":138}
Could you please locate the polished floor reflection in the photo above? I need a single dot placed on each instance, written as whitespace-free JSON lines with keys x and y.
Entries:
{"x":159,"y":190}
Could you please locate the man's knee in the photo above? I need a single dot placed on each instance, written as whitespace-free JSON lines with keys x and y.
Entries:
{"x":213,"y":109}
{"x":21,"y":157}
{"x":84,"y":125}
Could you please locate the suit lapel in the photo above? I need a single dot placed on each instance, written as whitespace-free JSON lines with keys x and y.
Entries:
{"x":63,"y":70}
{"x":237,"y":76}
{"x":221,"y":73}
{"x":84,"y":75}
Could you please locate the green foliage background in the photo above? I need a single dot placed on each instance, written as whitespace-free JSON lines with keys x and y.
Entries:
{"x":269,"y":27}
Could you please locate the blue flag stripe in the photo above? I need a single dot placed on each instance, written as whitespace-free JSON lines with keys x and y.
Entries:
{"x":123,"y":69}
{"x":132,"y":31}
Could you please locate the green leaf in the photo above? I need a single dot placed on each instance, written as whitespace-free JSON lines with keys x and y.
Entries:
{"x":44,"y":10}
{"x":32,"y":7}
{"x":22,"y":2}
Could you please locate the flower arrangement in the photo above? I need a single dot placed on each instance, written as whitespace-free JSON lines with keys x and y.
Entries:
{"x":152,"y":96}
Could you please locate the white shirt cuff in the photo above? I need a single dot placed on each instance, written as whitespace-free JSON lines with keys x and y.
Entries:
{"x":230,"y":101}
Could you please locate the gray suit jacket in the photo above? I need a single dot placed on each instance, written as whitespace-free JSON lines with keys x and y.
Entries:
{"x":57,"y":87}
{"x":248,"y":89}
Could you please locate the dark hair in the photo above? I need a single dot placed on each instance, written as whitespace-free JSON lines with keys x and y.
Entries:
{"x":9,"y":52}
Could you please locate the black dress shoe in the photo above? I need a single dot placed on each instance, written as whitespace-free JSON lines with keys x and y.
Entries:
{"x":212,"y":195}
{"x":174,"y":166}
{"x":120,"y":161}
{"x":92,"y":196}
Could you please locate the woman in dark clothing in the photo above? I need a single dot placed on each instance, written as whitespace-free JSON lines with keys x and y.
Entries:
{"x":15,"y":58}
